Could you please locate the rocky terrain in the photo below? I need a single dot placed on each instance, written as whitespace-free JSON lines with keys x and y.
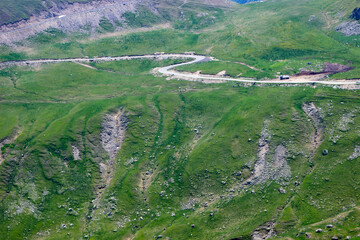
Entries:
{"x":72,"y":17}
{"x":349,"y":28}
{"x":113,"y":133}
{"x":313,"y":112}
{"x":355,"y":14}
{"x":100,"y":16}
{"x":270,"y":167}
{"x":5,"y":144}
{"x":112,"y":137}
{"x":352,"y":27}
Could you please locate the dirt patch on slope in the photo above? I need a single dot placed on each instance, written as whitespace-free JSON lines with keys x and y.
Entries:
{"x":265,"y":231}
{"x":113,"y":132}
{"x":270,"y":168}
{"x":280,"y":169}
{"x":123,"y":32}
{"x":332,"y":68}
{"x":313,"y":112}
{"x":112,"y":137}
{"x":86,"y":65}
{"x":329,"y":68}
{"x":146,"y":181}
{"x":264,"y":146}
{"x":8,"y":140}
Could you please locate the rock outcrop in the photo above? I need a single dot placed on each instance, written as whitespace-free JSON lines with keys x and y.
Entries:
{"x":270,"y":168}
{"x":355,"y":154}
{"x":112,"y":137}
{"x":355,"y":14}
{"x":71,"y":17}
{"x":349,"y":28}
{"x":313,"y":112}
{"x":100,"y":15}
{"x":113,"y":133}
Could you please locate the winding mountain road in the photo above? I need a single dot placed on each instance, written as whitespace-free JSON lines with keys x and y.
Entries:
{"x":170,"y":72}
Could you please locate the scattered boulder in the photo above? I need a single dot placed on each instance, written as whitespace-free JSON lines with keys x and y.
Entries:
{"x":282,"y":190}
{"x":325,"y":152}
{"x":318,"y":230}
{"x":355,"y":14}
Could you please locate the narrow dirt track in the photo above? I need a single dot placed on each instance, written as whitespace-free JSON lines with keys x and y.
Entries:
{"x":170,"y":72}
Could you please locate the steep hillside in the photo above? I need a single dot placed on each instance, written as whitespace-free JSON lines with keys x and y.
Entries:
{"x":103,"y":149}
{"x":13,"y":11}
{"x":108,"y":16}
{"x":111,"y":152}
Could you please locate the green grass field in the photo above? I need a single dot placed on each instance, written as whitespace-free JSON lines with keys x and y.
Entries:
{"x":233,"y":69}
{"x":66,"y":110}
{"x":192,"y":145}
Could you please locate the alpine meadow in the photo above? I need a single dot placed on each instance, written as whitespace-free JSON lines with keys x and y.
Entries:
{"x":179,"y":119}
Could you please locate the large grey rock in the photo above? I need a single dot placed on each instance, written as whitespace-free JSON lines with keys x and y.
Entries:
{"x":349,"y":28}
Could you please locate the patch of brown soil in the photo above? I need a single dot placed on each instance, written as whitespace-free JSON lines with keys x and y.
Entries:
{"x":85,"y":65}
{"x":123,"y":32}
{"x":329,"y":68}
{"x":332,"y":68}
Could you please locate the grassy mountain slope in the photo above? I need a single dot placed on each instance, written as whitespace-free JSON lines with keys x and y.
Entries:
{"x":46,"y":193}
{"x":189,"y":148}
{"x":275,"y":36}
